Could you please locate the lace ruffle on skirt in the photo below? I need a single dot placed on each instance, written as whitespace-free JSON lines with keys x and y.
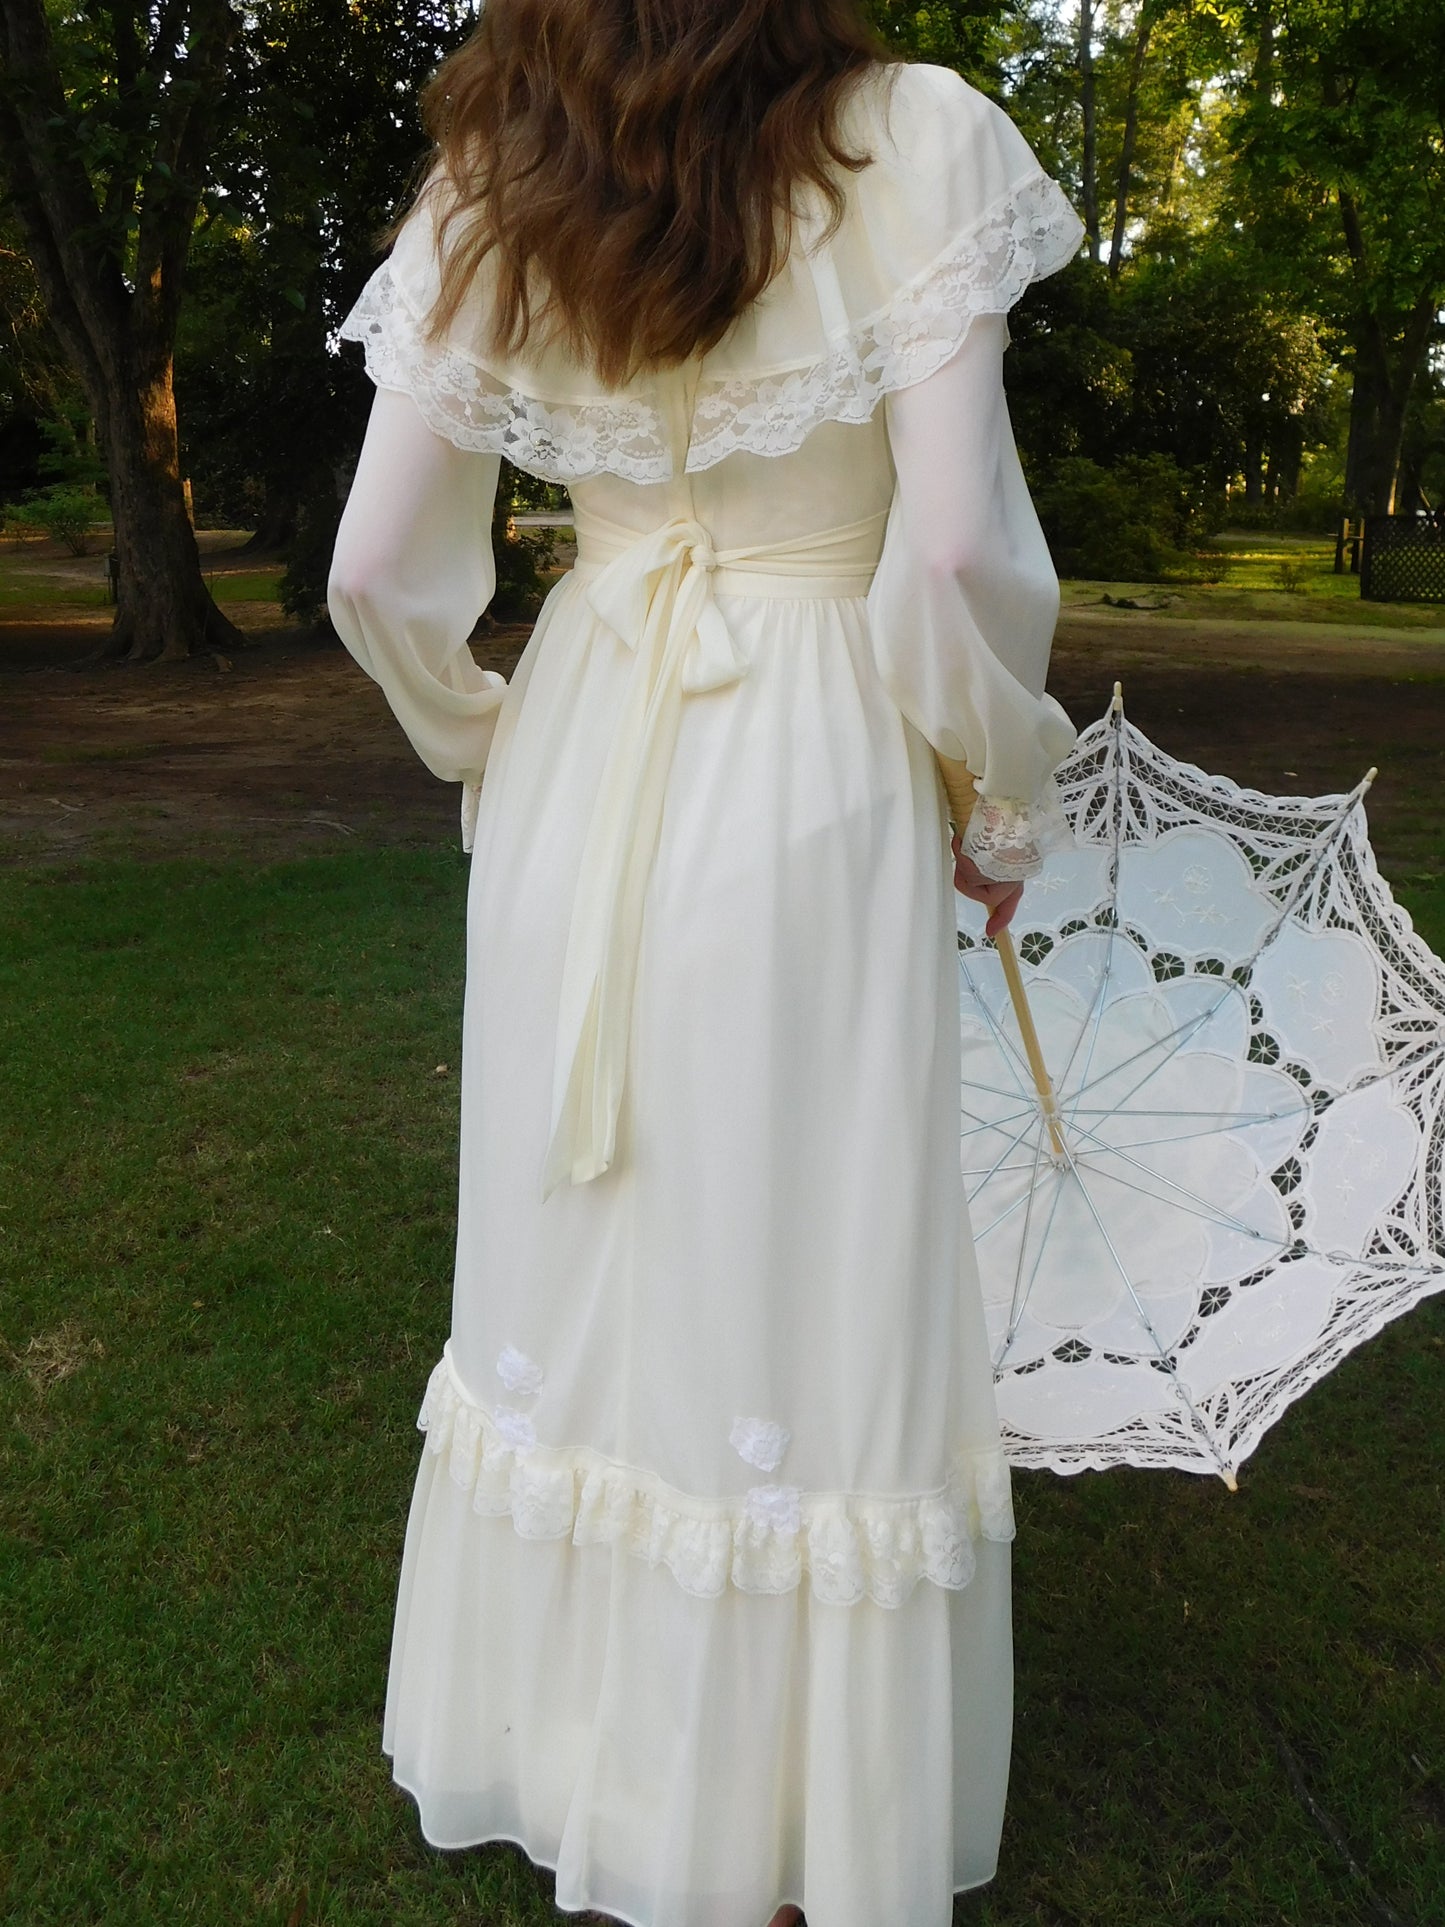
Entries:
{"x":1027,"y":234}
{"x":852,"y":1546}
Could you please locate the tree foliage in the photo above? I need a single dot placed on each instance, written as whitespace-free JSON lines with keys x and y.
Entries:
{"x":1259,"y":305}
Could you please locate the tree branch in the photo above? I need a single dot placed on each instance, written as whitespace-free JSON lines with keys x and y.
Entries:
{"x":1131,"y":130}
{"x":181,"y":141}
{"x":53,"y":195}
{"x":1089,"y":183}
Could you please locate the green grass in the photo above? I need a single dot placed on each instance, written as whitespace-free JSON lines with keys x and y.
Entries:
{"x":22,"y":595}
{"x":30,"y":584}
{"x":1263,"y":577}
{"x":229,"y":582}
{"x":225,"y":1240}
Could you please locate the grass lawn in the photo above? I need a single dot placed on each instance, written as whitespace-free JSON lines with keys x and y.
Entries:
{"x":40,"y":574}
{"x":225,"y":1243}
{"x":1258,"y":575}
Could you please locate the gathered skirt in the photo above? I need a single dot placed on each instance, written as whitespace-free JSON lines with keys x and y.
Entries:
{"x":705,"y":1591}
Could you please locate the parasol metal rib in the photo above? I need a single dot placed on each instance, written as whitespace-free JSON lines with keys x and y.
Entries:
{"x":961,"y":788}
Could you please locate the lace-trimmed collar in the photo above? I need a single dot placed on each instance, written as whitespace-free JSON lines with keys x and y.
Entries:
{"x":956,"y":220}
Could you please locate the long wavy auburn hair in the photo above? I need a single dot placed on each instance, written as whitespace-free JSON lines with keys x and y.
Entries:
{"x":632,"y":164}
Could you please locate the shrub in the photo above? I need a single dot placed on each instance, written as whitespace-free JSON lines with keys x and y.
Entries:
{"x":66,"y":513}
{"x":522,"y":557}
{"x":1132,"y":521}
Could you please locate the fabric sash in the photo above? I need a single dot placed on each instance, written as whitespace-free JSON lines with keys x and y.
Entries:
{"x":657,"y":592}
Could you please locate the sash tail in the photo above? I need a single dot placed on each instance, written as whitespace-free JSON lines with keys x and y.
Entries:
{"x":660,"y":587}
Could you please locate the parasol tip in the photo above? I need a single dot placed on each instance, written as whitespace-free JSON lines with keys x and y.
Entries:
{"x":1230,"y":1480}
{"x":1370,"y":774}
{"x":1116,"y":707}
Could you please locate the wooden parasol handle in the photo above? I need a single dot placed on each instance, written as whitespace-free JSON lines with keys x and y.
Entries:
{"x":961,"y":787}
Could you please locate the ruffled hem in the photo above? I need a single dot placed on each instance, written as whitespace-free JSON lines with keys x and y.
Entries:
{"x":852,"y":1546}
{"x":547,"y":1858}
{"x":1028,"y":233}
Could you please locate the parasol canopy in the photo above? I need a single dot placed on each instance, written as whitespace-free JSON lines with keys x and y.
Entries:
{"x":1246,"y":1042}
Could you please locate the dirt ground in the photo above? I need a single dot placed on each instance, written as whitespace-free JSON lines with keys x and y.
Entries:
{"x":285,"y":746}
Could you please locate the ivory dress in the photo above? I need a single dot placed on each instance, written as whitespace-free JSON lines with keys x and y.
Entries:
{"x":705,"y":1597}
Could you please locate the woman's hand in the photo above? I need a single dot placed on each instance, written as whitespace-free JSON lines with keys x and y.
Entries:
{"x":1000,"y":899}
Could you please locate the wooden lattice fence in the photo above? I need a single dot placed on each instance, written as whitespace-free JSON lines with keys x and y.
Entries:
{"x":1404,"y":558}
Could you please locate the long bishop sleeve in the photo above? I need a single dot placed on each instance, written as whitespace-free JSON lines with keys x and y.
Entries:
{"x":411,"y":571}
{"x":964,"y":602}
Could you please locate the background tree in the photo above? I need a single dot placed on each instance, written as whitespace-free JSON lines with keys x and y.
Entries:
{"x":1340,"y":131}
{"x":1258,"y":308}
{"x":106,"y":114}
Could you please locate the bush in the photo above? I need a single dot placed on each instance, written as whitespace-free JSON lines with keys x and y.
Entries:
{"x":1133,"y":521}
{"x":522,"y":557}
{"x":308,"y":558}
{"x":66,"y":513}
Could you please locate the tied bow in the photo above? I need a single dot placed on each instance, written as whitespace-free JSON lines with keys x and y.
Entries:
{"x":666,"y":574}
{"x":658,"y":597}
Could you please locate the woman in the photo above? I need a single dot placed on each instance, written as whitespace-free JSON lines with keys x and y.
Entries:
{"x":705,"y":1593}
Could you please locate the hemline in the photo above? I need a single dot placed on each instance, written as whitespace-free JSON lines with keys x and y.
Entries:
{"x":541,"y":1861}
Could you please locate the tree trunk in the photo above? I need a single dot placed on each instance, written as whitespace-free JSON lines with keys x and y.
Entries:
{"x":1263,"y":76}
{"x":1372,"y":459}
{"x":1131,"y":131}
{"x":276,"y":528}
{"x":120,"y":337}
{"x":1379,"y":402}
{"x":163,"y":608}
{"x":1251,"y":474}
{"x":1289,"y":458}
{"x":1385,"y":375}
{"x":1089,"y":184}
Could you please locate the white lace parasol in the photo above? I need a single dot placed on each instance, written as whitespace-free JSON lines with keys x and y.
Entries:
{"x":1247,"y":1042}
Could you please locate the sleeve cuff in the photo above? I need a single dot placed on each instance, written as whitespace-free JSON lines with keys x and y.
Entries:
{"x":1009,"y":839}
{"x":471,"y":799}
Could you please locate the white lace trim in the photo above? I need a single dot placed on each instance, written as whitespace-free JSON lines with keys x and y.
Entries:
{"x":853,"y":1546}
{"x":1030,"y":232}
{"x":1009,"y":840}
{"x":468,"y":406}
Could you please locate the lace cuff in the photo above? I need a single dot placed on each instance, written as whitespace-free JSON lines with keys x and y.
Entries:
{"x":471,"y":798}
{"x":1009,"y":839}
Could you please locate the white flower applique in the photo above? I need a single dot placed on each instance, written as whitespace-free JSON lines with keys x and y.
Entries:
{"x":777,"y":1506}
{"x":518,"y":1372}
{"x":760,"y":1441}
{"x":515,"y":1428}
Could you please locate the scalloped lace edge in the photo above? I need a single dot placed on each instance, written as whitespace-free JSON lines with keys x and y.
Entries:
{"x":1009,"y":839}
{"x":1029,"y":233}
{"x":851,"y":1546}
{"x":562,"y":443}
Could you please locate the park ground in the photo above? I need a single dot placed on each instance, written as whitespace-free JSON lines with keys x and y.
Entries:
{"x":230,"y":979}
